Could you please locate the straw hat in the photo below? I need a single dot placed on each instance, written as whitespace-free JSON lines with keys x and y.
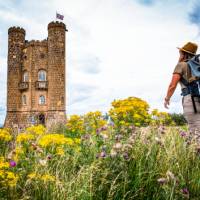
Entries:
{"x":190,"y":48}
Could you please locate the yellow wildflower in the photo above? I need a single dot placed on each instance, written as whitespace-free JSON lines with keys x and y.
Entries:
{"x":2,"y":174}
{"x":5,"y":135}
{"x":32,"y":175}
{"x":60,"y":151}
{"x":36,"y":130}
{"x":77,"y":140}
{"x":11,"y":179}
{"x":77,"y":149}
{"x":54,"y":139}
{"x":69,"y":141}
{"x":24,"y":137}
{"x":48,"y":178}
{"x":3,"y":164}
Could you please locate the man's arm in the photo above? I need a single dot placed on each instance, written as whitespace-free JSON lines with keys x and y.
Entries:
{"x":172,"y":86}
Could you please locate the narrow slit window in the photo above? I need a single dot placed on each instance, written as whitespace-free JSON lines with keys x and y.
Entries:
{"x":24,"y":100}
{"x":25,"y":77}
{"x":42,"y":100}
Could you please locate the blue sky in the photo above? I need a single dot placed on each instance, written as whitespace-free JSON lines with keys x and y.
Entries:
{"x":115,"y":48}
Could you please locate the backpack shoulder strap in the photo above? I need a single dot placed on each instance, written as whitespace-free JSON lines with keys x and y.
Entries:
{"x":183,"y":80}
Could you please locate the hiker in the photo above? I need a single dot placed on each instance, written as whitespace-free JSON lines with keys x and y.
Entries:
{"x":182,"y":74}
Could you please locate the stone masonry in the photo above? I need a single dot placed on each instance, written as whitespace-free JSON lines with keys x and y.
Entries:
{"x":36,"y":78}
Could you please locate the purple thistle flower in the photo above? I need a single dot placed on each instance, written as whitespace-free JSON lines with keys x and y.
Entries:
{"x":98,"y":131}
{"x":162,"y":181}
{"x":183,"y":133}
{"x":103,"y":154}
{"x":85,"y":137}
{"x":49,"y":157}
{"x":103,"y":128}
{"x":185,"y":191}
{"x":161,"y":129}
{"x":12,"y":163}
{"x":125,"y":155}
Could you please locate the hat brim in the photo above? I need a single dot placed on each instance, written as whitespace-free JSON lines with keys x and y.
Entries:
{"x":186,"y":51}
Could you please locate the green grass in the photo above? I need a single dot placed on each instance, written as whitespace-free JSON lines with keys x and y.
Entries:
{"x":145,"y":155}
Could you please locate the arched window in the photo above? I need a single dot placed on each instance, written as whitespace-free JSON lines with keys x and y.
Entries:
{"x":24,"y":100}
{"x":42,"y":75}
{"x":42,"y":100}
{"x":25,"y":76}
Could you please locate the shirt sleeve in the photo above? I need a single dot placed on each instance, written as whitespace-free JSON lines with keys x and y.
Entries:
{"x":178,"y":69}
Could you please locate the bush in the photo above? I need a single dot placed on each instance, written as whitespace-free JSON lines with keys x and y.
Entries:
{"x":161,"y":118}
{"x":178,"y":119}
{"x":130,"y":111}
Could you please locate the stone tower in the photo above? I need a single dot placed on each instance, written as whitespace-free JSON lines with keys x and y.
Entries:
{"x":36,"y":78}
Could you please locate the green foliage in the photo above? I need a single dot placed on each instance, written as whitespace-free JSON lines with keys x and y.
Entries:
{"x":144,"y":163}
{"x":178,"y":119}
{"x":161,"y":118}
{"x":93,"y":157}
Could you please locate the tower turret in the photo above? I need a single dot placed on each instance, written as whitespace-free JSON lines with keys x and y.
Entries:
{"x":16,"y":41}
{"x":56,"y":71}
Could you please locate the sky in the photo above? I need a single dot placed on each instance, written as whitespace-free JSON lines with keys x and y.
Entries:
{"x":114,"y":48}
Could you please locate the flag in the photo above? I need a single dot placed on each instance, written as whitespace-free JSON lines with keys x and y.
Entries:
{"x":59,"y":16}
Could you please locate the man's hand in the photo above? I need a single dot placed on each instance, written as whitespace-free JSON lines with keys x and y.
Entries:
{"x":166,"y":103}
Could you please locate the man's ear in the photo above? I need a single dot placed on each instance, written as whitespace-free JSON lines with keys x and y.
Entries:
{"x":181,"y":57}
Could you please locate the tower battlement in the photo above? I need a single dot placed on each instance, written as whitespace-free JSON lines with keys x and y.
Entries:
{"x":16,"y":29}
{"x":57,"y":24}
{"x":37,"y":43}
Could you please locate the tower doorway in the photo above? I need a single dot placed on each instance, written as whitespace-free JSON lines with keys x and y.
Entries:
{"x":41,"y":119}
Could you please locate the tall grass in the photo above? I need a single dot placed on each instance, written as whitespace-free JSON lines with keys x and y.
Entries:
{"x":143,"y":163}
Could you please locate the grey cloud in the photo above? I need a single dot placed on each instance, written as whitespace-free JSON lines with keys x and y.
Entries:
{"x":146,"y":2}
{"x":89,"y":65}
{"x":83,"y":88}
{"x":80,"y":92}
{"x":194,"y":15}
{"x":79,"y":98}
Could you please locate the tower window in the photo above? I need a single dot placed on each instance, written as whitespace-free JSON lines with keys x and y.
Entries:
{"x":25,"y":57}
{"x":42,"y":75}
{"x":42,"y":55}
{"x":42,"y":100}
{"x":24,"y":100}
{"x":25,"y":76}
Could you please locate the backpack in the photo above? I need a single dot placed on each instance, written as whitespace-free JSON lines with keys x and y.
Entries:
{"x":193,"y":85}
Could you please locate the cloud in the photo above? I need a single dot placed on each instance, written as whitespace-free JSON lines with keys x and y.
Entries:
{"x":2,"y":109}
{"x":194,"y":15}
{"x":79,"y":92}
{"x":88,"y":64}
{"x":146,"y":2}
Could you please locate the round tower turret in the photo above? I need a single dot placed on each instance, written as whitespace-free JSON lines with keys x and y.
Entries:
{"x":16,"y":41}
{"x":56,"y":69}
